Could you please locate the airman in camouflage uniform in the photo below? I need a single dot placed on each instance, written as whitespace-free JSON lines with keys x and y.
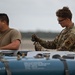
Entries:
{"x":65,"y":41}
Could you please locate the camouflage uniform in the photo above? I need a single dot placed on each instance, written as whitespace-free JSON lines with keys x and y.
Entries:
{"x":37,"y":46}
{"x":65,"y":41}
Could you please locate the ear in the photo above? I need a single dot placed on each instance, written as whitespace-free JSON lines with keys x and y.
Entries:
{"x":68,"y":19}
{"x":3,"y":22}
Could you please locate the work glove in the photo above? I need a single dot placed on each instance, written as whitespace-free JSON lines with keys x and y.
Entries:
{"x":34,"y":38}
{"x":37,"y":46}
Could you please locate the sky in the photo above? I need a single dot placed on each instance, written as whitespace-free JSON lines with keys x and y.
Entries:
{"x":35,"y":15}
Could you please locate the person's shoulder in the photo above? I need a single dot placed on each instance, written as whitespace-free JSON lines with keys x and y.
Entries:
{"x":63,"y":30}
{"x":14,"y":30}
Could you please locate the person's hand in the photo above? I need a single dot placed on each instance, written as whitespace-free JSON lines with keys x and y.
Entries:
{"x":34,"y":38}
{"x":37,"y":46}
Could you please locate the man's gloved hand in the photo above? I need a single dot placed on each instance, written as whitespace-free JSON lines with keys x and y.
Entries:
{"x":34,"y":38}
{"x":37,"y":46}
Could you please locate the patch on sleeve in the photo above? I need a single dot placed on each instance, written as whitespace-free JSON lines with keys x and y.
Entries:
{"x":67,"y":43}
{"x":71,"y":39}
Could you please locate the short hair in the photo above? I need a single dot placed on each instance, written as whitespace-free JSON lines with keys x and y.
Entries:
{"x":64,"y":13}
{"x":4,"y":17}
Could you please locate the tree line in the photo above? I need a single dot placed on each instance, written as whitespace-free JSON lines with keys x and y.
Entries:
{"x":27,"y":35}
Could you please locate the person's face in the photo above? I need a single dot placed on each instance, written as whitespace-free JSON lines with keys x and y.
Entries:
{"x":1,"y":25}
{"x":62,"y":21}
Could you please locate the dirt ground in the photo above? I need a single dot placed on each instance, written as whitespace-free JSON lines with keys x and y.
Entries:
{"x":27,"y":45}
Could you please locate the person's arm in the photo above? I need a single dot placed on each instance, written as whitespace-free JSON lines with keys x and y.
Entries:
{"x":12,"y":46}
{"x":68,"y":44}
{"x":45,"y":44}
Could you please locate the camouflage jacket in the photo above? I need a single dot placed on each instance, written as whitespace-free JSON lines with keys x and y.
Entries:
{"x":65,"y":41}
